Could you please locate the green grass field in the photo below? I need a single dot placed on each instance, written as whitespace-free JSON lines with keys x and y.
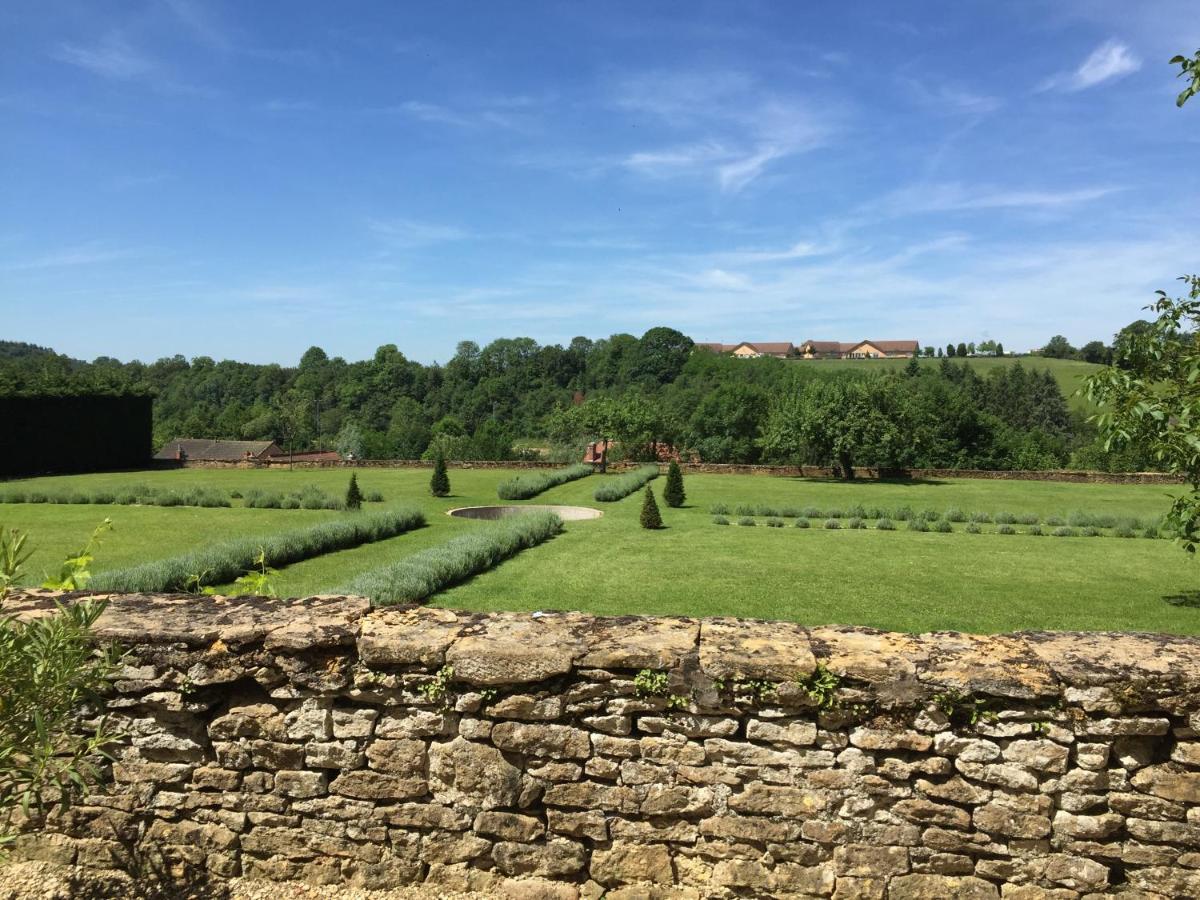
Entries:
{"x":1068,"y":372}
{"x":895,"y":580}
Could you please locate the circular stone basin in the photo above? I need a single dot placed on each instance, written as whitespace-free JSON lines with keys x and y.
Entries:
{"x":566,"y":513}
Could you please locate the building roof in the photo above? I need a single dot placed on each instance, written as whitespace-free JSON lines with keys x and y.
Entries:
{"x":203,"y":448}
{"x":824,"y":346}
{"x":767,"y":346}
{"x":886,"y":346}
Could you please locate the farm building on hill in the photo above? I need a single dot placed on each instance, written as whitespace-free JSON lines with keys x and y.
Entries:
{"x":859,"y":350}
{"x":819,"y":349}
{"x":219,"y":451}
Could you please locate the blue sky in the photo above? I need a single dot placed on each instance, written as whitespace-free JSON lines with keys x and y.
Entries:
{"x":244,"y":180}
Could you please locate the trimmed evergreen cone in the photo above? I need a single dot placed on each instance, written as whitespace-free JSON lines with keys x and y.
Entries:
{"x":650,"y":514}
{"x":673,"y":493}
{"x":354,"y":497}
{"x":439,"y":484}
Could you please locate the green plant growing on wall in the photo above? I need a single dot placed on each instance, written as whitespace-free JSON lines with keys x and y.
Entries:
{"x":437,"y":689}
{"x":75,"y":572}
{"x":50,"y":676}
{"x":439,"y":483}
{"x":653,"y":683}
{"x":354,"y":497}
{"x":650,"y":517}
{"x":822,"y":687}
{"x":257,"y":581}
{"x":673,"y":492}
{"x":964,"y":709}
{"x":13,"y":556}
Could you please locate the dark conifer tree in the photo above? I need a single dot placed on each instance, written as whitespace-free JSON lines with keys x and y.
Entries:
{"x":651,"y":518}
{"x":439,"y":484}
{"x":673,"y":493}
{"x":354,"y":497}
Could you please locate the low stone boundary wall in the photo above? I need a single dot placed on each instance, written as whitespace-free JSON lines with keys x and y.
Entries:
{"x":866,"y":472}
{"x":564,"y":755}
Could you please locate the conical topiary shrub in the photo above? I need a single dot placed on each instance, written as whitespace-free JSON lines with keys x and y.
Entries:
{"x":673,"y":493}
{"x":439,"y":484}
{"x":354,"y":497}
{"x":650,"y":514}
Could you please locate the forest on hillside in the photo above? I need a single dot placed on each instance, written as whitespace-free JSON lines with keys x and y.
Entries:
{"x":501,"y":400}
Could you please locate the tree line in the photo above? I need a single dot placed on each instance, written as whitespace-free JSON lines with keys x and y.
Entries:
{"x":488,"y":402}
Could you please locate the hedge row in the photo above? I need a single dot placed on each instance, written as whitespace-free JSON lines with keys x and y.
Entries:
{"x":1075,"y":519}
{"x":530,"y":484}
{"x":420,"y":576}
{"x":616,"y":487}
{"x":944,"y":526}
{"x":222,"y":563}
{"x":126,"y":496}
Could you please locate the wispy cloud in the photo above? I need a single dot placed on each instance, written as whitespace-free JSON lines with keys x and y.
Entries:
{"x":413,"y":233}
{"x":952,"y":99}
{"x":111,"y":58}
{"x":956,"y":197}
{"x":1110,"y":60}
{"x":739,"y":130}
{"x":87,"y":254}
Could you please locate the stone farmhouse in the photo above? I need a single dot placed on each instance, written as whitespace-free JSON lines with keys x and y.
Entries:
{"x":818,"y":349}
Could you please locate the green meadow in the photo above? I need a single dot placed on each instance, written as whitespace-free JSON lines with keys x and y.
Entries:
{"x":899,"y":580}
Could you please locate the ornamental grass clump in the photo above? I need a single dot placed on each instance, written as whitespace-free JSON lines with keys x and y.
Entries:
{"x":1090,"y":531}
{"x":834,"y":513}
{"x":1079,"y":519}
{"x":1035,"y":530}
{"x":833,"y":524}
{"x":222,"y":563}
{"x":1004,"y":529}
{"x":719,"y":509}
{"x":1005,"y":518}
{"x":942,"y":526}
{"x":803,"y":523}
{"x":885,"y":525}
{"x":857,"y":511}
{"x":650,"y":518}
{"x":980,"y":518}
{"x":744,"y":509}
{"x":1064,"y":531}
{"x":1055,"y":521}
{"x":414,"y":578}
{"x":810,"y":512}
{"x":1028,"y":519}
{"x":916,"y":524}
{"x":973,"y":528}
{"x":618,"y":487}
{"x":856,"y":522}
{"x":1124,"y":531}
{"x":774,"y":522}
{"x":903,"y":514}
{"x":748,"y":521}
{"x":530,"y":484}
{"x":954,"y":514}
{"x":720,"y":520}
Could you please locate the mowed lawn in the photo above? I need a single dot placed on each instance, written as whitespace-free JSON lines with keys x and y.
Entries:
{"x":896,"y":580}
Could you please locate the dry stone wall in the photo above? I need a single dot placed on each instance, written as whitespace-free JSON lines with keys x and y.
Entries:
{"x":563,"y":755}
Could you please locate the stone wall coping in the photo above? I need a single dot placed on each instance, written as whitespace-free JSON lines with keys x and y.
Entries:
{"x":511,"y":648}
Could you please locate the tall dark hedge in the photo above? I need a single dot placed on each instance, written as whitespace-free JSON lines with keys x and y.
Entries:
{"x":82,"y":433}
{"x":673,"y":492}
{"x":439,"y":484}
{"x":650,"y":518}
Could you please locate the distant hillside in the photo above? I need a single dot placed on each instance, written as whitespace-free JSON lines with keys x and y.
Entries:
{"x":1069,"y":373}
{"x":21,"y":350}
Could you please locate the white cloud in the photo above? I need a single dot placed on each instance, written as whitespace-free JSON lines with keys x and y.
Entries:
{"x":735,"y":128}
{"x":1110,"y":60}
{"x":412,"y":233}
{"x":111,"y":58}
{"x":81,"y":255}
{"x":956,"y":197}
